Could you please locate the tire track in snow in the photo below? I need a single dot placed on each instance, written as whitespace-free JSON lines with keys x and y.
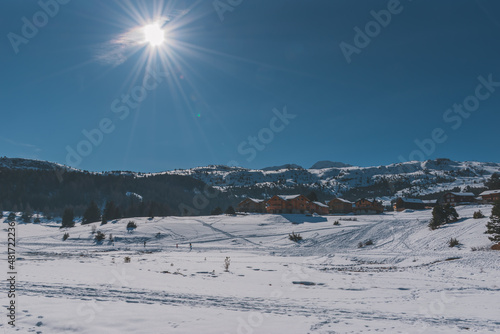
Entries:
{"x":227,"y":234}
{"x":325,"y":313}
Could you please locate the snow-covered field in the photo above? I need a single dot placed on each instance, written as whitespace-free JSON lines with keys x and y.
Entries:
{"x":408,"y":281}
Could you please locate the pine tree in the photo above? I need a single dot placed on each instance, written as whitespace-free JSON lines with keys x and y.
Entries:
{"x":109,"y":212}
{"x":494,"y":182}
{"x":437,"y":217}
{"x":92,"y":214}
{"x":450,"y":214}
{"x":117,"y":214}
{"x":217,"y":211}
{"x":442,"y":215}
{"x":493,"y":226}
{"x":67,"y":218}
{"x":230,"y":211}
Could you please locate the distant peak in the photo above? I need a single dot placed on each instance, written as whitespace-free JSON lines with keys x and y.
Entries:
{"x":287,"y":166}
{"x":329,"y":164}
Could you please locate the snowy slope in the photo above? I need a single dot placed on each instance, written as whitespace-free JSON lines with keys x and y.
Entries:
{"x":408,"y":281}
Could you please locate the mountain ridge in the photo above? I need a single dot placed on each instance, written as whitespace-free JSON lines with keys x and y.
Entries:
{"x":426,"y":179}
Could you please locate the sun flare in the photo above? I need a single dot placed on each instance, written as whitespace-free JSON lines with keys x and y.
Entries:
{"x":154,"y":34}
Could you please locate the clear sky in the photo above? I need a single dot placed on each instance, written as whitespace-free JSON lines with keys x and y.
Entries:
{"x":250,"y":82}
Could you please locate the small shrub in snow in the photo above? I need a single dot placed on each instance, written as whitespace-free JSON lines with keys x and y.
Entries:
{"x":131,"y":226}
{"x":127,"y":259}
{"x":453,"y":242}
{"x":478,"y":215}
{"x":227,"y":263}
{"x":368,"y":242}
{"x":99,"y":236}
{"x":484,"y":248}
{"x":336,"y":223}
{"x":295,"y":237}
{"x":65,"y":236}
{"x":26,"y":217}
{"x":11,"y":217}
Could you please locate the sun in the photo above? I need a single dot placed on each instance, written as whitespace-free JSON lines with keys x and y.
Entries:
{"x":154,"y":34}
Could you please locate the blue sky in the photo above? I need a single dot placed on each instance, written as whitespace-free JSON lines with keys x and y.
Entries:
{"x":220,"y":81}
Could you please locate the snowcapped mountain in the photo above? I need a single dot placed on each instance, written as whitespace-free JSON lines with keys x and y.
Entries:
{"x":427,"y":180}
{"x":414,"y":178}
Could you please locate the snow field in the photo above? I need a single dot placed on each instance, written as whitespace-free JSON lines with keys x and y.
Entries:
{"x":408,"y":281}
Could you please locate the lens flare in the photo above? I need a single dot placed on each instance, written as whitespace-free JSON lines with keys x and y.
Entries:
{"x":154,"y":34}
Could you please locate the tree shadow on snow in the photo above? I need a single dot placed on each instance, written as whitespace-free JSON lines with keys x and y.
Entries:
{"x":300,"y":219}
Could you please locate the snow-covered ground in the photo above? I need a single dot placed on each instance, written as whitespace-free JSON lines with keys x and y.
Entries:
{"x":408,"y":281}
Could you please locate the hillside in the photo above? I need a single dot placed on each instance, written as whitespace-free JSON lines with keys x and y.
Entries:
{"x":31,"y":185}
{"x":412,"y":179}
{"x":408,"y":281}
{"x":50,"y":187}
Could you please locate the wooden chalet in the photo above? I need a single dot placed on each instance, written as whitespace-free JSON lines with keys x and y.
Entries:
{"x":252,"y":205}
{"x":402,"y":204}
{"x":458,"y":198}
{"x":490,"y":196}
{"x":288,"y":204}
{"x":319,"y":208}
{"x":368,"y":206}
{"x":340,"y":205}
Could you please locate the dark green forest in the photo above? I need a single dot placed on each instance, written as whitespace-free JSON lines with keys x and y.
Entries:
{"x":51,"y":191}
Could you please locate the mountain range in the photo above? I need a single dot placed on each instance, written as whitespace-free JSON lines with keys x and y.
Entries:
{"x":198,"y":190}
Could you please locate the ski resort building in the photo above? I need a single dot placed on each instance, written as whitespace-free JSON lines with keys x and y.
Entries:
{"x":458,"y":198}
{"x":340,"y":205}
{"x":252,"y":205}
{"x":402,"y":204}
{"x":368,"y":206}
{"x":490,"y":196}
{"x":288,"y":204}
{"x":319,"y":208}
